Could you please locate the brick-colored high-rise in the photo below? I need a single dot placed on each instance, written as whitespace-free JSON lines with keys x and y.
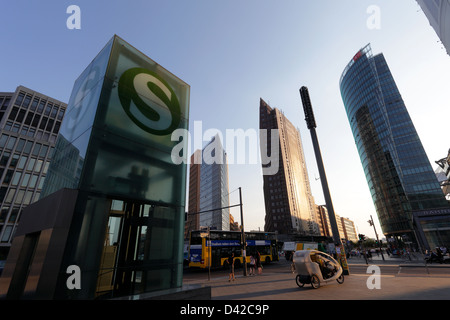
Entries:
{"x":289,"y":203}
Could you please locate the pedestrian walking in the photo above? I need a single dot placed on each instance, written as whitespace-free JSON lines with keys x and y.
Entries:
{"x":258,"y":262}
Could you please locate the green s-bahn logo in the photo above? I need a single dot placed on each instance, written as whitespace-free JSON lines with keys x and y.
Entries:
{"x":149,"y":101}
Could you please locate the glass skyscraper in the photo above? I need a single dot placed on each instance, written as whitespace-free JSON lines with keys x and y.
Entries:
{"x":402,"y":183}
{"x":214,"y":190}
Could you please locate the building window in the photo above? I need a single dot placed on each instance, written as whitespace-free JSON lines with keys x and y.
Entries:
{"x":14,"y":160}
{"x":5,"y":158}
{"x":13,"y":113}
{"x":16,"y":178}
{"x":19,"y":197}
{"x":13,"y":215}
{"x":22,"y":162}
{"x":27,"y":101}
{"x":4,"y":214}
{"x":20,"y":98}
{"x":34,"y":104}
{"x":41,"y":106}
{"x":6,"y":233}
{"x":3,"y":140}
{"x":10,"y":195}
{"x":31,"y":164}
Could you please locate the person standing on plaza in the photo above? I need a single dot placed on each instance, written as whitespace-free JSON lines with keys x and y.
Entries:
{"x":258,"y":262}
{"x":252,"y":265}
{"x":231,"y":265}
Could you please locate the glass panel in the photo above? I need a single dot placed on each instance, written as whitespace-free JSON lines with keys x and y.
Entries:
{"x":2,"y":190}
{"x":47,"y":164}
{"x":25,"y":180}
{"x":22,"y":162}
{"x":13,"y":215}
{"x":20,"y":145}
{"x":5,"y":158}
{"x":7,"y":233}
{"x":21,"y":115}
{"x":28,"y":197}
{"x":4,"y":214}
{"x":11,"y":143}
{"x":38,"y":166}
{"x":36,"y":149}
{"x":28,"y":146}
{"x":16,"y":178}
{"x":33,"y":181}
{"x":14,"y":160}
{"x":27,"y":101}
{"x":34,"y":104}
{"x":10,"y":195}
{"x":20,"y":98}
{"x":3,"y":140}
{"x":43,"y":151}
{"x":41,"y":106}
{"x":19,"y":197}
{"x":31,"y":164}
{"x":6,"y":102}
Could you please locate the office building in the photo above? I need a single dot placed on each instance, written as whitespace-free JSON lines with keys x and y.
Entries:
{"x":324,"y":221}
{"x":346,"y":227}
{"x":115,"y":227}
{"x":214,"y":190}
{"x":29,"y":125}
{"x":288,"y":199}
{"x":438,"y":14}
{"x":192,"y":218}
{"x":408,"y":200}
{"x":208,"y":189}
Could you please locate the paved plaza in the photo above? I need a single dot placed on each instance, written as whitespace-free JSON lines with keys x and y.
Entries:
{"x":398,"y":280}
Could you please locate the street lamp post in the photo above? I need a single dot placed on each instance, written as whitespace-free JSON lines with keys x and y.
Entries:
{"x":311,"y":124}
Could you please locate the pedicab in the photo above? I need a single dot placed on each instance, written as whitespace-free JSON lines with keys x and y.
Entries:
{"x":315,"y":267}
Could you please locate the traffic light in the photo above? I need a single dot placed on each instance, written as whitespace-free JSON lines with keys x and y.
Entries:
{"x":307,"y":108}
{"x":362,"y":237}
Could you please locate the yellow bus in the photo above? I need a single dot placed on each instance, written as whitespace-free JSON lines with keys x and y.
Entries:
{"x":214,"y":248}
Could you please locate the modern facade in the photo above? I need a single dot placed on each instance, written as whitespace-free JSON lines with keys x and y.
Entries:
{"x":405,"y":191}
{"x":346,"y":227}
{"x":192,"y":218}
{"x":214,"y":189}
{"x":208,"y":180}
{"x":29,"y":125}
{"x":438,"y":14}
{"x":349,"y":229}
{"x":288,"y":199}
{"x":324,"y":221}
{"x":116,"y":225}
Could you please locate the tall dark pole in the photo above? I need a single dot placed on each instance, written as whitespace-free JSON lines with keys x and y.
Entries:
{"x":244,"y":246}
{"x":376,"y":234}
{"x":311,"y":124}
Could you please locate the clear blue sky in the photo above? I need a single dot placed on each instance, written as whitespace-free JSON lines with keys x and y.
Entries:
{"x":232,"y":53}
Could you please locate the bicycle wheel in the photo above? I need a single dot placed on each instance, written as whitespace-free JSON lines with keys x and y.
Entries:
{"x":298,"y":282}
{"x":315,"y":282}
